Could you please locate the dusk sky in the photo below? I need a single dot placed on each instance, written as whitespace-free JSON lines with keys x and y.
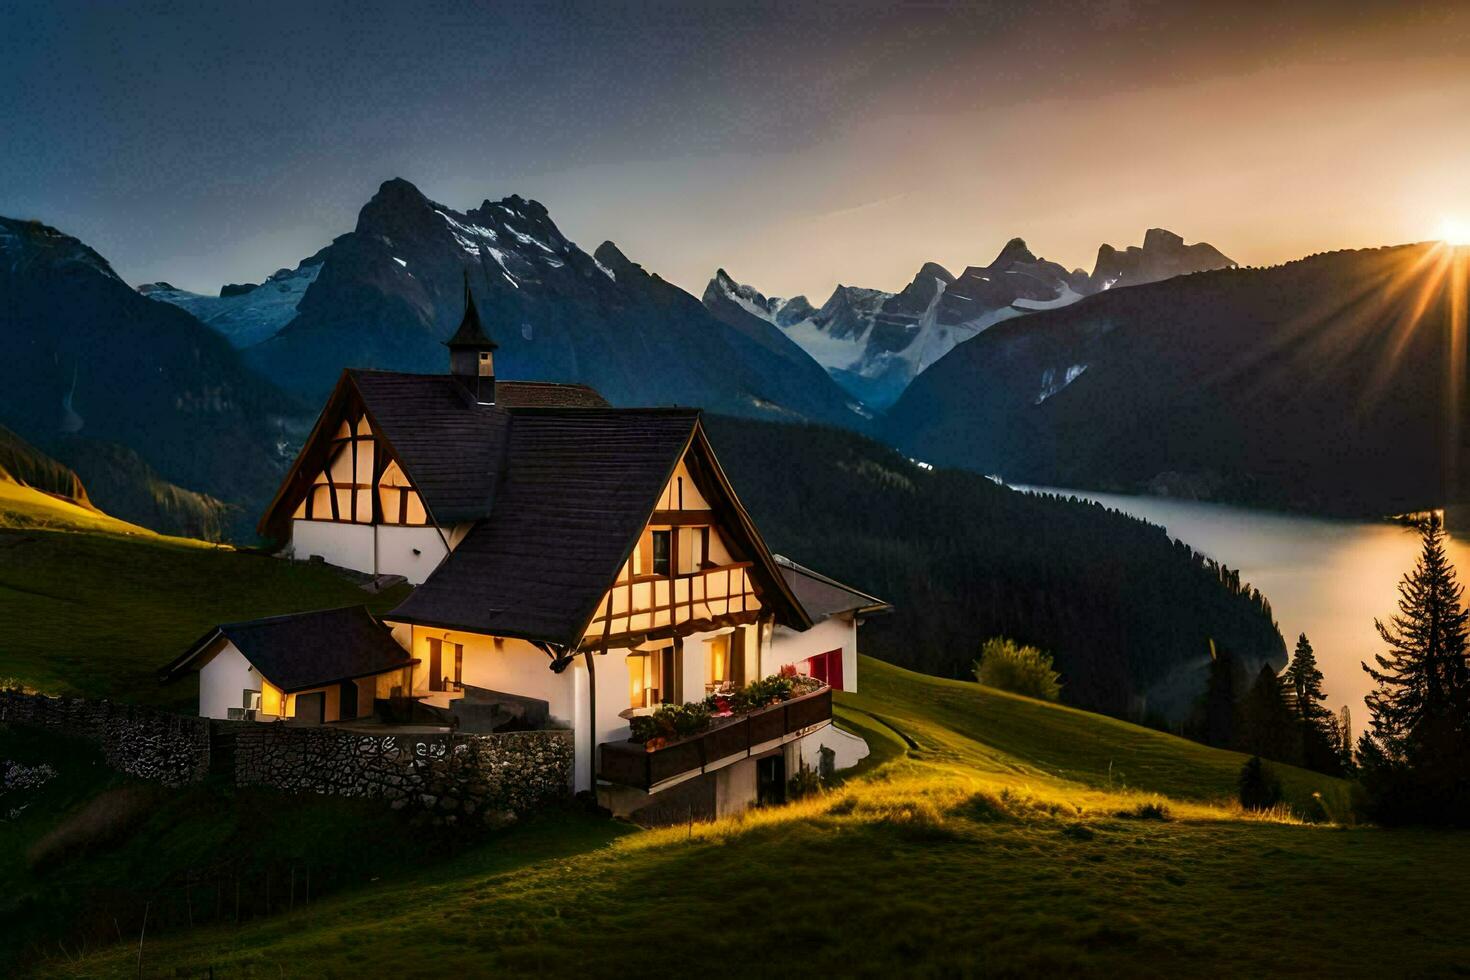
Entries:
{"x":797,"y":145}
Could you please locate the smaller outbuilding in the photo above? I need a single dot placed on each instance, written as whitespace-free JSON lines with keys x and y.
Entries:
{"x":309,"y":668}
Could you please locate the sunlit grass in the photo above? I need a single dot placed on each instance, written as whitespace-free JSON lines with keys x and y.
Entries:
{"x":23,"y":508}
{"x":1014,"y":837}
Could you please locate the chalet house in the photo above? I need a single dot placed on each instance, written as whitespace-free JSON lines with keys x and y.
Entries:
{"x":576,"y":565}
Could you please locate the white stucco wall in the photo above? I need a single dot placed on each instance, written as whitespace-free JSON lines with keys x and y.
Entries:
{"x":507,"y":665}
{"x":223,"y":681}
{"x":848,"y":749}
{"x":790,"y":646}
{"x":345,"y":545}
{"x":396,"y":547}
{"x":377,"y":549}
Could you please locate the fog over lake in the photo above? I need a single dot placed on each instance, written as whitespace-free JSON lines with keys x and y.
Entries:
{"x":1325,"y":577}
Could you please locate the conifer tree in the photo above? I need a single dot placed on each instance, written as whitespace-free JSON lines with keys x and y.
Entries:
{"x":1414,"y":760}
{"x":1302,"y":680}
{"x":1421,"y":680}
{"x":1267,"y":727}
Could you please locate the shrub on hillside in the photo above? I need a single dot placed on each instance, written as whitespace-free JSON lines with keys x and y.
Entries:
{"x":1019,"y":669}
{"x":1259,"y":787}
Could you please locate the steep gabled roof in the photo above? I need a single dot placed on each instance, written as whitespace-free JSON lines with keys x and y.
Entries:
{"x":580,"y":488}
{"x":825,"y":597}
{"x":557,"y":484}
{"x":451,"y":447}
{"x":304,"y":650}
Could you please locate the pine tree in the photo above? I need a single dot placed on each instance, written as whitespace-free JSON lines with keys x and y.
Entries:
{"x":1267,"y":727}
{"x":1415,"y":760}
{"x":1421,"y":680}
{"x":1302,"y":681}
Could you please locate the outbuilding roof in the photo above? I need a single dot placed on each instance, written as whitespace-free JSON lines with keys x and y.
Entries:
{"x":823,"y":597}
{"x":305,"y":650}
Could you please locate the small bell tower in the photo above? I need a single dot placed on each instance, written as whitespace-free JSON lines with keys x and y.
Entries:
{"x":472,"y":352}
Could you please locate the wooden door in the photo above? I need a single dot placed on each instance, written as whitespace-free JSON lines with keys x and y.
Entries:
{"x":436,"y":665}
{"x":770,"y":780}
{"x":311,"y":709}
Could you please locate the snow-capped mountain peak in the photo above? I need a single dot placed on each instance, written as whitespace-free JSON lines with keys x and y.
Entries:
{"x":874,"y":343}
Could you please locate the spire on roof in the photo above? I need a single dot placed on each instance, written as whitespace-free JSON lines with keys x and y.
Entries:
{"x":471,"y":333}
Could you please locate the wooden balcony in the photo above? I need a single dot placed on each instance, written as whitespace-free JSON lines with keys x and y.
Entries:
{"x":727,"y":740}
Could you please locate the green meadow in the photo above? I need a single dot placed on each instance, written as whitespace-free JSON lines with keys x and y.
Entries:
{"x":986,"y":833}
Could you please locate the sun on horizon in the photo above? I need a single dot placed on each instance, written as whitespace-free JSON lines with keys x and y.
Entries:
{"x":1454,"y":230}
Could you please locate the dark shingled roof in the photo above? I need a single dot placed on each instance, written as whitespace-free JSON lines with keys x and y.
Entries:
{"x":580,"y":488}
{"x":824,"y":597}
{"x":451,"y":447}
{"x":304,"y":650}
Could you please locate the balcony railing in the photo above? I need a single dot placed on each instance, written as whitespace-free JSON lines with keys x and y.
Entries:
{"x":727,"y":740}
{"x":642,"y":604}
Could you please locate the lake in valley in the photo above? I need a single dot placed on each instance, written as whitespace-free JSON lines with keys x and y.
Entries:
{"x":1328,"y":578}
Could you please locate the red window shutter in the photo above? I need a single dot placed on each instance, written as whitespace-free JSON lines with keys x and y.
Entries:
{"x":834,"y":669}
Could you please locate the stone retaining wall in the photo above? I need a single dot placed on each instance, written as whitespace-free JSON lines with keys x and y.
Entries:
{"x":453,"y":777}
{"x":144,"y":742}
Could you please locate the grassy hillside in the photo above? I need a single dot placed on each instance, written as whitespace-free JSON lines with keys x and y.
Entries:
{"x":98,"y":613}
{"x":988,"y":834}
{"x":26,"y":507}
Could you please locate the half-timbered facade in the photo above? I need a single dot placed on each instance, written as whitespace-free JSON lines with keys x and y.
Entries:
{"x":576,"y":564}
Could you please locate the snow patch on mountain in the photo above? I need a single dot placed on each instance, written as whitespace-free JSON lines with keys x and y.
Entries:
{"x":1050,"y":385}
{"x":249,"y":314}
{"x":874,"y":343}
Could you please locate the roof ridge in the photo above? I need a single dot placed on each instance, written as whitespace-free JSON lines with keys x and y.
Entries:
{"x":262,"y":620}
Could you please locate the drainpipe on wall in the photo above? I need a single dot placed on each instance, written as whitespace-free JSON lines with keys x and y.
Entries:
{"x":591,"y":728}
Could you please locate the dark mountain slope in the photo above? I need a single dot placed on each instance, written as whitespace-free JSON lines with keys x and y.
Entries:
{"x":24,"y":464}
{"x":108,"y":382}
{"x":1320,"y":384}
{"x":1128,"y":613}
{"x":388,"y":292}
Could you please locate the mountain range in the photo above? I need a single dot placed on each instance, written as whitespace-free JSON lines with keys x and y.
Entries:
{"x":1333,"y":384}
{"x":874,"y":343}
{"x":1302,"y":385}
{"x":386,"y":295}
{"x":155,"y":412}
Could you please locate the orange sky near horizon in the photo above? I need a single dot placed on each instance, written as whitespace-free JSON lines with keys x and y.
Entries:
{"x":1348,"y":132}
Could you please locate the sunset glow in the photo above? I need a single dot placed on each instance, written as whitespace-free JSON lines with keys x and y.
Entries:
{"x":1454,"y":230}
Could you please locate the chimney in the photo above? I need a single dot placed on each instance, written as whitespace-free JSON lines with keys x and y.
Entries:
{"x":472,"y":352}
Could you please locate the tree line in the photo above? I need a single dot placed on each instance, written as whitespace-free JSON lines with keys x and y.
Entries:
{"x":1413,"y":761}
{"x":1126,"y":611}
